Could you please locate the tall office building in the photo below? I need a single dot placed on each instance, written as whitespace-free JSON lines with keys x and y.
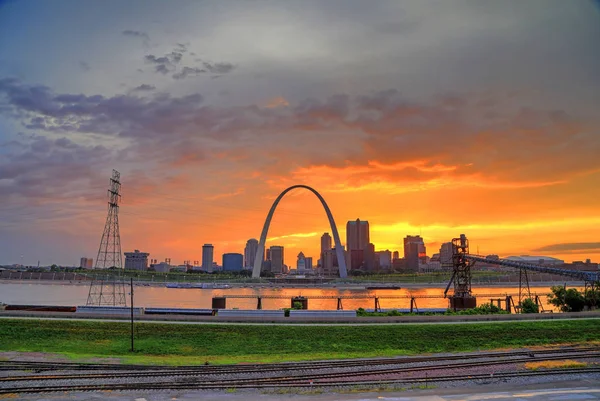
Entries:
{"x":276,"y":254}
{"x":301,"y":262}
{"x":232,"y":261}
{"x":207,"y":257}
{"x":396,"y":255}
{"x":308,"y":263}
{"x":327,"y":261}
{"x":86,"y":263}
{"x":414,"y":252}
{"x":250,"y":253}
{"x":136,"y":260}
{"x":325,"y":246}
{"x":446,"y":256}
{"x":369,"y":258}
{"x":357,"y":235}
{"x":385,"y":259}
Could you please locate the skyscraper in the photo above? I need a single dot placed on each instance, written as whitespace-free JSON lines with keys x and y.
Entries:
{"x":325,"y":246}
{"x":385,"y":259}
{"x":276,"y":259}
{"x":232,"y":261}
{"x":446,"y":256}
{"x":207,"y":257}
{"x":327,"y":260}
{"x":250,"y":253}
{"x":369,"y":258}
{"x":414,"y":252}
{"x":396,"y":255}
{"x":301,"y":262}
{"x":357,"y":235}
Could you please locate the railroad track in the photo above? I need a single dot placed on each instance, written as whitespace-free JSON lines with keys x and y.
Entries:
{"x":363,"y":372}
{"x":57,"y":366}
{"x":292,"y":384}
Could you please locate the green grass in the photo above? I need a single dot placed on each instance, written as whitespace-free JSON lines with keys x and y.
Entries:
{"x":183,"y":344}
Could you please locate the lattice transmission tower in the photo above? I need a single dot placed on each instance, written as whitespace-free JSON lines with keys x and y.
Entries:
{"x":111,"y":290}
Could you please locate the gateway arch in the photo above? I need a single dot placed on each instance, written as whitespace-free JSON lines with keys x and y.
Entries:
{"x":263,"y":236}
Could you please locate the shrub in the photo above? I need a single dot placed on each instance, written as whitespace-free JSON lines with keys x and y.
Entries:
{"x":569,"y":300}
{"x":528,"y":306}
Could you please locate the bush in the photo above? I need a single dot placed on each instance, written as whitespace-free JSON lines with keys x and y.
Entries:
{"x":569,"y":300}
{"x":528,"y":306}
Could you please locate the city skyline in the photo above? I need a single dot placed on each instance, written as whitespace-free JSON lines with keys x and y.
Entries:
{"x":424,"y":119}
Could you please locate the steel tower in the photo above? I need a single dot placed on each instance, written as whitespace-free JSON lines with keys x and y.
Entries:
{"x":110,"y":291}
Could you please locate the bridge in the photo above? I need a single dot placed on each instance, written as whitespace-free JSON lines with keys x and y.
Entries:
{"x":461,"y":275}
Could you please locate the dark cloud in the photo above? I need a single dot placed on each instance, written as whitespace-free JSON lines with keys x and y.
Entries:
{"x":157,"y":60}
{"x":84,"y":66}
{"x":136,"y":34}
{"x":218,"y":68}
{"x":162,"y":68}
{"x":450,"y":131}
{"x":44,"y":169}
{"x":144,"y":88}
{"x":569,"y":246}
{"x":168,"y":63}
{"x":187,"y":72}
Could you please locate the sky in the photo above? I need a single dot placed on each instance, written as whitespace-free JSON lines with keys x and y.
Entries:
{"x":423,"y":117}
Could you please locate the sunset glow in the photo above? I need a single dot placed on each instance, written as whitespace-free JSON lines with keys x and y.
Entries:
{"x":422,"y":119}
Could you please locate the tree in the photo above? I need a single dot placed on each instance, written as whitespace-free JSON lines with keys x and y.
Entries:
{"x":569,"y":300}
{"x":528,"y":306}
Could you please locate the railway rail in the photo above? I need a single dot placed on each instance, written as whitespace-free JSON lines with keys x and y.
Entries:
{"x":58,"y":366}
{"x":303,"y":377}
{"x":253,"y":384}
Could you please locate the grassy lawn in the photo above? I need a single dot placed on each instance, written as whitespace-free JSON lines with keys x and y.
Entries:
{"x":194,"y":344}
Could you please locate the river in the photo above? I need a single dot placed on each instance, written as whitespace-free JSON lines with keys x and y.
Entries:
{"x":50,"y":293}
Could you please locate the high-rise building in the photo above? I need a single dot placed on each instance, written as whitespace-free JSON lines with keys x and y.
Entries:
{"x":446,"y":256}
{"x":357,"y":257}
{"x":233,"y":261}
{"x":276,"y":254}
{"x":327,"y":262}
{"x":250,"y":253}
{"x":385,"y":259}
{"x":357,"y":235}
{"x":301,"y":262}
{"x":207,"y":257}
{"x":414,"y":252}
{"x":86,"y":263}
{"x":369,"y":258}
{"x":308,"y":263}
{"x":396,"y":255}
{"x":136,"y":260}
{"x":325,"y":245}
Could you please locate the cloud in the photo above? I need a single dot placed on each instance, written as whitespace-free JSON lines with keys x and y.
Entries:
{"x":136,"y":34}
{"x":84,"y":66}
{"x":218,"y":68}
{"x":569,"y":247}
{"x":226,"y":195}
{"x":144,"y":88}
{"x":188,"y":71}
{"x":50,"y":170}
{"x":169,"y":62}
{"x":382,"y":140}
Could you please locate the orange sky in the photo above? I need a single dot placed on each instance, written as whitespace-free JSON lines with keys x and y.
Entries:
{"x":432,"y":119}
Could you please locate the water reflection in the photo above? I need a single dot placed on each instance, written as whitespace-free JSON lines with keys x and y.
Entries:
{"x":148,"y":296}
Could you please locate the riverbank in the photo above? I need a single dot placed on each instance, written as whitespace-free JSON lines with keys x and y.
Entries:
{"x":339,"y":286}
{"x":182,"y":344}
